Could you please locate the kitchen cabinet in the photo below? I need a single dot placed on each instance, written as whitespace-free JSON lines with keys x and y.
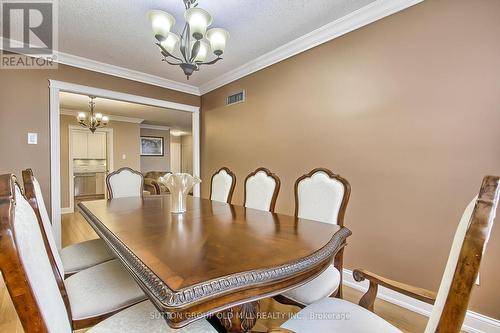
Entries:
{"x":89,"y":146}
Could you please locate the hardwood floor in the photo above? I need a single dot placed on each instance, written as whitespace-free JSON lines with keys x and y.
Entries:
{"x":75,"y":229}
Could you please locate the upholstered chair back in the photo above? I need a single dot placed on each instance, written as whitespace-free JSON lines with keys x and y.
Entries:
{"x":462,"y":267}
{"x":261,"y":190}
{"x":125,"y":182}
{"x":322,"y":196}
{"x":35,"y":197}
{"x":25,"y":265}
{"x":222,"y":185}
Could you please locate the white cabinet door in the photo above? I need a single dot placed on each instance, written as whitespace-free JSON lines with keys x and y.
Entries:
{"x":96,"y":145}
{"x":79,"y":144}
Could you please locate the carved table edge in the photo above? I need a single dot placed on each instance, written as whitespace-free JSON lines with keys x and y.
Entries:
{"x":170,"y":300}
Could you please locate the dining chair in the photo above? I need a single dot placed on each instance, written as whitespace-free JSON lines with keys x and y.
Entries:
{"x":34,"y":291}
{"x":320,"y":195}
{"x":93,"y":293}
{"x":222,"y":185}
{"x":261,"y":190}
{"x":73,"y":258}
{"x":125,"y":182}
{"x":449,"y":304}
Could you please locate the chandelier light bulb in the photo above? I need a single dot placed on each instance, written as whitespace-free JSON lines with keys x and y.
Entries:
{"x":161,"y":22}
{"x":199,"y":20}
{"x":170,"y":42}
{"x":81,"y":116}
{"x":98,"y":116}
{"x":202,"y":52}
{"x":218,"y":38}
{"x":105,"y":120}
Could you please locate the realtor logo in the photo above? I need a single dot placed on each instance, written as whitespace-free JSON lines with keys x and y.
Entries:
{"x":29,"y":34}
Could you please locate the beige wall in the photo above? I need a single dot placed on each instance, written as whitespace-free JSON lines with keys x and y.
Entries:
{"x":125,"y":141}
{"x":407,"y":109}
{"x":187,"y":153}
{"x":157,"y":163}
{"x":24,"y":107}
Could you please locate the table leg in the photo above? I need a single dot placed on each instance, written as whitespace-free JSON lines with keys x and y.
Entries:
{"x":241,"y":318}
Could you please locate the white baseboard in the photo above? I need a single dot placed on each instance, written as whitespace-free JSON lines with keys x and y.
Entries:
{"x":474,"y":322}
{"x":66,"y":210}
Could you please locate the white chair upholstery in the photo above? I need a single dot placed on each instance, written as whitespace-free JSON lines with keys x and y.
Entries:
{"x":222,"y":182}
{"x":38,"y":270}
{"x":75,"y":257}
{"x":447,"y":279}
{"x":320,"y":287}
{"x":260,"y":190}
{"x":102,"y":289}
{"x":319,"y":198}
{"x":337,"y":315}
{"x":125,"y":182}
{"x":144,"y":317}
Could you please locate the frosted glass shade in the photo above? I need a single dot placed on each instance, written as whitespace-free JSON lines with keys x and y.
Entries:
{"x":161,"y":22}
{"x":198,"y":20}
{"x":218,"y":38}
{"x":81,"y":116}
{"x":170,"y":42}
{"x":105,"y":120}
{"x":202,"y":52}
{"x":98,"y":116}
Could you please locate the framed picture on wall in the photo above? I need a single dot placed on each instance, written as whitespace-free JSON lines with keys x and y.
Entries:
{"x":151,"y":146}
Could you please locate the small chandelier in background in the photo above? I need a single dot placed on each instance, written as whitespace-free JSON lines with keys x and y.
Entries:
{"x":95,"y":121}
{"x":193,"y":45}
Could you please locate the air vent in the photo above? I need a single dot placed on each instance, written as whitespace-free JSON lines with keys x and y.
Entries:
{"x":238,"y":97}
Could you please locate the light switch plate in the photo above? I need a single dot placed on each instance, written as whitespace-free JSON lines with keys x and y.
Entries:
{"x":124,"y":157}
{"x":32,"y":138}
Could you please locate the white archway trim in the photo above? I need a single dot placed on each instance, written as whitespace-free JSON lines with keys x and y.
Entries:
{"x":55,"y":87}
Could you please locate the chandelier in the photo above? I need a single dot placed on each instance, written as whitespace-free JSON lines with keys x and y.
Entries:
{"x":193,"y":45}
{"x":95,"y":121}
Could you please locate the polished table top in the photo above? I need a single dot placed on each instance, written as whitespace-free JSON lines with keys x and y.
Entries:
{"x":213,"y":250}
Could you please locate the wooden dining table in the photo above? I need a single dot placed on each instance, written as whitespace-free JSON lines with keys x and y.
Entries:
{"x":215,"y":258}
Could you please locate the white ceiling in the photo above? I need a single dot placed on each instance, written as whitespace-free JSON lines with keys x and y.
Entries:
{"x":175,"y":119}
{"x":118,"y":32}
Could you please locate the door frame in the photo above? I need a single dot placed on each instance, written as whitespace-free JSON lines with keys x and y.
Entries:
{"x":55,"y":87}
{"x":109,"y":158}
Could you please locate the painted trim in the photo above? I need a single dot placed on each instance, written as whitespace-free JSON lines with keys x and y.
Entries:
{"x":98,"y":92}
{"x":474,"y":322}
{"x":67,"y":210}
{"x":70,"y":112}
{"x":55,"y":164}
{"x":155,"y":127}
{"x":352,"y":21}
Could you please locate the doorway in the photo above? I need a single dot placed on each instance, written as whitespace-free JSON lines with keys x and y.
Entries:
{"x":55,"y":87}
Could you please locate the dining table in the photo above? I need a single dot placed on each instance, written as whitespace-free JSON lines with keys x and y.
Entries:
{"x":215,"y":259}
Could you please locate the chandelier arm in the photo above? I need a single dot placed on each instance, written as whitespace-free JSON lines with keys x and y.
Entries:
{"x":172,"y":63}
{"x":165,"y":53}
{"x":209,"y":62}
{"x":195,"y":50}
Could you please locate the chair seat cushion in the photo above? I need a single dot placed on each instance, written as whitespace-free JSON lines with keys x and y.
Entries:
{"x":83,"y":255}
{"x":144,"y":317}
{"x":320,"y":287}
{"x":102,"y":289}
{"x":337,"y":315}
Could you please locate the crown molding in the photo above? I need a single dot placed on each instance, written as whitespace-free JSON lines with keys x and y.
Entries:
{"x":352,"y":21}
{"x":155,"y":127}
{"x":122,"y":72}
{"x":355,"y":20}
{"x":73,"y":112}
{"x":129,"y":74}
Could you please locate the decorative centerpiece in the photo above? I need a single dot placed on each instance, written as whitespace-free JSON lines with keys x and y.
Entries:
{"x":179,"y":185}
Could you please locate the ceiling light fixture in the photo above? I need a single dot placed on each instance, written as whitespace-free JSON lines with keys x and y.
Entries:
{"x":96,"y":120}
{"x":193,"y":45}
